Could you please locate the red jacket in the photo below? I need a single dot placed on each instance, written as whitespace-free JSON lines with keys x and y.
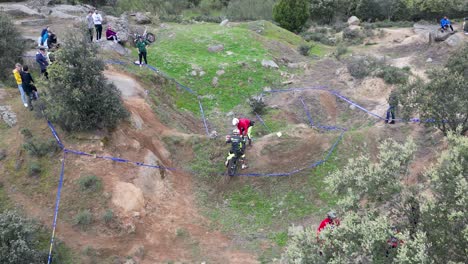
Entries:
{"x":327,"y":221}
{"x":243,"y":126}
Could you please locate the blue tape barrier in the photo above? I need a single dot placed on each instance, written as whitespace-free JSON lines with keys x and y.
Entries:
{"x":307,"y":112}
{"x":57,"y":203}
{"x":203,"y":117}
{"x":263,"y":122}
{"x":54,"y":133}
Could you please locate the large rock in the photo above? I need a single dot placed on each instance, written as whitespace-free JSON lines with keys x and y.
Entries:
{"x":441,"y":36}
{"x":454,"y":41}
{"x":224,"y":22}
{"x":121,"y":26}
{"x":19,"y":10}
{"x":216,"y":48}
{"x":111,"y":46}
{"x":269,"y":64}
{"x":74,"y":10}
{"x":8,"y":115}
{"x":353,"y":21}
{"x":142,"y":19}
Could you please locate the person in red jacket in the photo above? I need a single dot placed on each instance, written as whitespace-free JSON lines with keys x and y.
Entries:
{"x":331,"y":221}
{"x":245,"y":127}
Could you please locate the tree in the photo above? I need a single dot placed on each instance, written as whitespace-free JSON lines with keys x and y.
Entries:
{"x":445,"y":216}
{"x":291,"y":14}
{"x":443,"y":101}
{"x":18,"y":240}
{"x":11,"y":46}
{"x":79,"y":96}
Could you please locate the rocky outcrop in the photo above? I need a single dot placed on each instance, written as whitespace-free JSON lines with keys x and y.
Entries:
{"x":121,"y":26}
{"x":454,"y":41}
{"x":19,"y":10}
{"x":8,"y":115}
{"x":353,"y":21}
{"x":115,"y":47}
{"x":269,"y":64}
{"x":142,"y":19}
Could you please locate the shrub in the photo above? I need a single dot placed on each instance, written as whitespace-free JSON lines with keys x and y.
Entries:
{"x":39,"y":148}
{"x":83,"y":219}
{"x":458,"y":62}
{"x":360,"y":68}
{"x":250,"y":9}
{"x":209,"y":19}
{"x":352,"y":36}
{"x":90,"y":183}
{"x":18,"y":240}
{"x":319,"y":37}
{"x":26,"y":133}
{"x":291,"y":14}
{"x":340,"y":50}
{"x":206,"y":6}
{"x":304,"y":50}
{"x":258,"y":105}
{"x":108,"y":216}
{"x":393,"y":75}
{"x":11,"y":47}
{"x":79,"y":96}
{"x":34,"y":169}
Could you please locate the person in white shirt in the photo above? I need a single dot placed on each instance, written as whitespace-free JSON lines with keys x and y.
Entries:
{"x":97,"y":18}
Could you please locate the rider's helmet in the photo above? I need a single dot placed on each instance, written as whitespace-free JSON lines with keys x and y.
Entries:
{"x":235,"y":131}
{"x":331,"y":215}
{"x":235,"y":121}
{"x":252,"y":123}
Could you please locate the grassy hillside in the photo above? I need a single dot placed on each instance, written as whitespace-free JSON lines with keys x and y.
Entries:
{"x":181,"y":49}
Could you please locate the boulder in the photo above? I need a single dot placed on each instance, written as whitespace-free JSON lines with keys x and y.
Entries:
{"x":269,"y":64}
{"x":8,"y":115}
{"x":220,"y":72}
{"x":74,"y":10}
{"x":354,"y":27}
{"x":20,"y":10}
{"x":142,"y":19}
{"x":224,"y":22}
{"x":441,"y":36}
{"x":121,"y":26}
{"x":215,"y":82}
{"x":353,"y":21}
{"x":112,"y":46}
{"x":216,"y":48}
{"x":454,"y":41}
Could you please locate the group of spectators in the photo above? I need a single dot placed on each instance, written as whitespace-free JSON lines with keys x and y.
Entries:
{"x":25,"y":84}
{"x":48,"y":39}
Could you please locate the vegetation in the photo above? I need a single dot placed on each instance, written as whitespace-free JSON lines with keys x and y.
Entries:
{"x":366,"y":66}
{"x":83,"y":219}
{"x":90,"y":183}
{"x":79,"y":97}
{"x":11,"y":47}
{"x":39,"y":148}
{"x":18,"y":240}
{"x":108,"y":216}
{"x":291,"y":14}
{"x":374,"y":197}
{"x":250,"y":10}
{"x":431,"y":102}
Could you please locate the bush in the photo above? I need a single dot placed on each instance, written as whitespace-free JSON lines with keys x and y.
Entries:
{"x":319,"y":37}
{"x":458,"y":62}
{"x":90,"y":183}
{"x":108,"y":216}
{"x":26,"y":133}
{"x":340,"y":50}
{"x":304,"y":50}
{"x":18,"y":240}
{"x":291,"y":14}
{"x":353,"y":36}
{"x":79,"y":96}
{"x":250,"y":10}
{"x":11,"y":47}
{"x":258,"y":105}
{"x":393,"y":75}
{"x":206,"y":6}
{"x":39,"y":148}
{"x":360,"y":68}
{"x":83,"y":219}
{"x":34,"y":169}
{"x":209,"y":19}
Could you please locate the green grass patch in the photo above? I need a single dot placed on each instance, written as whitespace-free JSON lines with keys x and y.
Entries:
{"x":61,"y":253}
{"x":281,"y":238}
{"x":5,"y":202}
{"x":244,"y":75}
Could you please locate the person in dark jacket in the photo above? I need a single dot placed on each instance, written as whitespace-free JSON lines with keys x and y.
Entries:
{"x":41,"y":58}
{"x":28,"y":85}
{"x":393,"y":104}
{"x":141,"y":46}
{"x":52,"y":41}
{"x":237,"y":148}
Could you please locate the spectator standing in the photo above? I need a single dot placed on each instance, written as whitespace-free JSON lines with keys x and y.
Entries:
{"x":97,"y":19}
{"x":41,"y":58}
{"x":90,"y":23}
{"x":43,"y":33}
{"x":28,"y":86}
{"x":392,"y":106}
{"x":19,"y":82}
{"x":465,"y":25}
{"x":52,"y":41}
{"x":141,"y":45}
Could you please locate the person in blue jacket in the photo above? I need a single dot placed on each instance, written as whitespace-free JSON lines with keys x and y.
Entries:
{"x":41,"y":58}
{"x":445,"y":24}
{"x":44,"y":35}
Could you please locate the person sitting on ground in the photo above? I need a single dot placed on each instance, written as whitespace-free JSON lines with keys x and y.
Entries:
{"x":237,"y":148}
{"x":41,"y":58}
{"x":43,"y":33}
{"x":331,"y":221}
{"x":111,"y":35}
{"x":245,"y":127}
{"x":28,"y":85}
{"x":445,"y":24}
{"x":392,"y":106}
{"x":141,"y":45}
{"x":393,"y":242}
{"x":52,"y":41}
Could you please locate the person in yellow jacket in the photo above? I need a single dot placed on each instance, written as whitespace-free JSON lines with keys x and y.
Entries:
{"x":17,"y":74}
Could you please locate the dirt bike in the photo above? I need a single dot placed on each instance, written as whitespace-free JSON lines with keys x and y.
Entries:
{"x":234,"y":161}
{"x":150,"y":37}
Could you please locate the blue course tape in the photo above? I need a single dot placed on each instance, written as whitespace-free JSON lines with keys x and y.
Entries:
{"x":307,"y":112}
{"x":203,"y":117}
{"x":57,"y":203}
{"x":54,"y":133}
{"x":263,"y":122}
